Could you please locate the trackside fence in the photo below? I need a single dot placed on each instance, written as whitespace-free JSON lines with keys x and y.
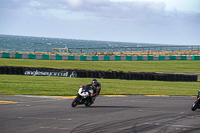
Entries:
{"x":100,"y":57}
{"x":126,"y":49}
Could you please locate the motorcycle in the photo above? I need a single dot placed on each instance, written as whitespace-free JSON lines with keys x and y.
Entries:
{"x":83,"y":97}
{"x":196,"y":105}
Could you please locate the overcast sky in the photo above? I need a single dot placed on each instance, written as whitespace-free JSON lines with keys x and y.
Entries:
{"x":142,"y":21}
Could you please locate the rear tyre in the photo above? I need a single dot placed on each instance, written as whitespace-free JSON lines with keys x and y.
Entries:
{"x":88,"y":104}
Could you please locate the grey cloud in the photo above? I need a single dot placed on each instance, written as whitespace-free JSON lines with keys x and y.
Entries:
{"x":132,"y":20}
{"x":97,"y":8}
{"x":109,"y":9}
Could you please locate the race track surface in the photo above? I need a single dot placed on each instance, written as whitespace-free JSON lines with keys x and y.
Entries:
{"x":130,"y":114}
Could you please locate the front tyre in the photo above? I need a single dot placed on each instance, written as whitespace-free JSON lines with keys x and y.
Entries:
{"x":194,"y":107}
{"x":75,"y":102}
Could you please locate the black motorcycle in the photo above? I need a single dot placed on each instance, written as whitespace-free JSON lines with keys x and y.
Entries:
{"x":196,"y":105}
{"x":83,"y":97}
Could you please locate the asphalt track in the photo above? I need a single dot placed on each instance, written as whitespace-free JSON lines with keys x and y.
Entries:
{"x":129,"y":114}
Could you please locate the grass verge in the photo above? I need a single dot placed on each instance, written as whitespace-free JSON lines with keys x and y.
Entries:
{"x":64,"y":86}
{"x":176,"y":66}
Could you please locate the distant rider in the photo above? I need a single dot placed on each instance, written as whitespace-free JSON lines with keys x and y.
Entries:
{"x":96,"y":87}
{"x":198,"y":94}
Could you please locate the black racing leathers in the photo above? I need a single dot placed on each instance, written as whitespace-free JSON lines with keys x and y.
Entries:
{"x":96,"y":88}
{"x":198,"y":94}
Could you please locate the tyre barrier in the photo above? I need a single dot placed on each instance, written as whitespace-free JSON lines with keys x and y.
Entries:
{"x":97,"y":74}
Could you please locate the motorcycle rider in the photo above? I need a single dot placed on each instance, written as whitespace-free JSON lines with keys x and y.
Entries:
{"x":96,"y":87}
{"x":198,"y":94}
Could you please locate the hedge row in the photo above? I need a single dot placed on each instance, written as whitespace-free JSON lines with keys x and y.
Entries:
{"x":106,"y":74}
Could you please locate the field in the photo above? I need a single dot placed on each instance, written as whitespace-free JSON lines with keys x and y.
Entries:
{"x":173,"y":66}
{"x":62,"y":86}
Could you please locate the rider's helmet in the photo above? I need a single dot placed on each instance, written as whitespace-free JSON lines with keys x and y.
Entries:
{"x":94,"y":82}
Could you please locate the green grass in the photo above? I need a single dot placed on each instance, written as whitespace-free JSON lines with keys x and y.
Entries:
{"x":64,"y":86}
{"x":180,"y":66}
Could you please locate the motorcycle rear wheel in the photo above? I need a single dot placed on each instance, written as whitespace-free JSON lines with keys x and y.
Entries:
{"x":88,"y":104}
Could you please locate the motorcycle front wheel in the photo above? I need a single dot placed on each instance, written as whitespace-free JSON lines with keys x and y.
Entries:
{"x":193,"y":108}
{"x":75,"y":102}
{"x":195,"y":105}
